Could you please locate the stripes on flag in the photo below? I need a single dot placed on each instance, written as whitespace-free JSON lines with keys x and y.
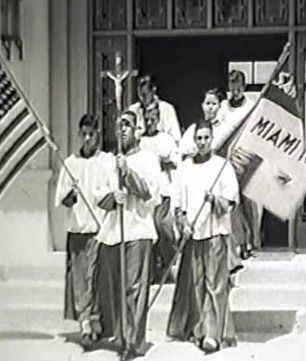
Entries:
{"x":20,"y":134}
{"x":274,"y":134}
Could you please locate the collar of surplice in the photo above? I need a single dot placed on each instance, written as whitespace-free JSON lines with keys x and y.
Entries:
{"x":93,"y":153}
{"x":237,"y":103}
{"x":197,"y":159}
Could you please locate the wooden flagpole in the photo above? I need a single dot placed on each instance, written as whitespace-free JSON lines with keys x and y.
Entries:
{"x":118,"y":77}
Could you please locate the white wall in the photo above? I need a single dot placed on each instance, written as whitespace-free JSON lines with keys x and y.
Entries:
{"x":78,"y":67}
{"x":69,"y":100}
{"x":32,"y":73}
{"x":23,"y":209}
{"x":53,"y":75}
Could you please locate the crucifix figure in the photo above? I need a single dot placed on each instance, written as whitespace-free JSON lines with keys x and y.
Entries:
{"x":118,"y":76}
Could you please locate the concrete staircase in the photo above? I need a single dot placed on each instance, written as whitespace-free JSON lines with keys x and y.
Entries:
{"x":32,"y":298}
{"x":265,"y":301}
{"x":269,"y":292}
{"x":267,"y":295}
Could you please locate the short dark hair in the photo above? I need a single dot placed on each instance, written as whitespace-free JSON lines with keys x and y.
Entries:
{"x":236,"y":76}
{"x":89,"y":121}
{"x":216,"y":92}
{"x":147,"y":80}
{"x":203,"y":124}
{"x":131,"y":114}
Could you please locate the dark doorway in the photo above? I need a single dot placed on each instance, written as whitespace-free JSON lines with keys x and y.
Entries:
{"x":274,"y":231}
{"x":186,"y":66}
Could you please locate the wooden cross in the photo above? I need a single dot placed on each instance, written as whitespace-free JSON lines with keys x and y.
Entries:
{"x":118,"y":76}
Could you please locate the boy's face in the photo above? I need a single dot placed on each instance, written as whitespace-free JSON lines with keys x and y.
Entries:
{"x":89,"y":138}
{"x":236,"y":89}
{"x":203,"y":139}
{"x":127,"y":128}
{"x":210,"y":106}
{"x":146,"y":94}
{"x":152,"y":119}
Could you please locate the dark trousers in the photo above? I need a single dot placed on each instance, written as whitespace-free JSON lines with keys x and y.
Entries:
{"x":163,"y":250}
{"x":138,"y":256}
{"x":81,"y":267}
{"x":200,"y":305}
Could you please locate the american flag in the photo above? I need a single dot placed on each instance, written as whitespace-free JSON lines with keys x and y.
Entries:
{"x":21,"y":135}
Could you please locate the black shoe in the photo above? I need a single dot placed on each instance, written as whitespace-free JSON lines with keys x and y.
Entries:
{"x":128,"y":355}
{"x":86,"y":340}
{"x":246,"y":252}
{"x":236,"y":269}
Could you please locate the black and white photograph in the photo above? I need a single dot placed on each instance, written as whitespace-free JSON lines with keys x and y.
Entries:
{"x":152,"y":180}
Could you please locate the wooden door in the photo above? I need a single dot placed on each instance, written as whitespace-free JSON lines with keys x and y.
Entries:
{"x":299,"y":224}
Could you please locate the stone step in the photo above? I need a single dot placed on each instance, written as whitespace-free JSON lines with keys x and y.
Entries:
{"x":261,"y":319}
{"x":34,"y":318}
{"x":252,"y":297}
{"x":243,"y":298}
{"x":49,"y":320}
{"x":264,"y":322}
{"x":247,"y":297}
{"x":19,"y":292}
{"x":52,"y":269}
{"x":258,"y":272}
{"x":246,"y":322}
{"x":268,"y":297}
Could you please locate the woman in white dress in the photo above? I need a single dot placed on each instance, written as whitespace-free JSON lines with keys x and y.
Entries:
{"x":210,"y":106}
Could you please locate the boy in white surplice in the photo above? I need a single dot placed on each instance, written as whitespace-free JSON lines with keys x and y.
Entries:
{"x":200,"y":310}
{"x":164,"y":147}
{"x":81,"y":246}
{"x":147,"y":94}
{"x":140,"y":171}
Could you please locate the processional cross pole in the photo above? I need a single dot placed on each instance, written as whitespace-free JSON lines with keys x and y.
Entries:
{"x":118,"y":77}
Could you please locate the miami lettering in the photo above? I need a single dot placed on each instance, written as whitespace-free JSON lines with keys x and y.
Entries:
{"x":276,"y":136}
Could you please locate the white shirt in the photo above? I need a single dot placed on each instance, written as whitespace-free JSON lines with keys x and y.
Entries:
{"x":84,"y":171}
{"x":138,"y":213}
{"x":168,"y":119}
{"x":231,"y":118}
{"x":165,"y":148}
{"x":192,"y":182}
{"x":187,"y":144}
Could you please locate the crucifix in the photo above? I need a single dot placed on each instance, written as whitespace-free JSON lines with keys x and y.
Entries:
{"x":118,"y":77}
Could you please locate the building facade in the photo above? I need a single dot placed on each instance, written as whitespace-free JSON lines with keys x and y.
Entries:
{"x":189,"y":47}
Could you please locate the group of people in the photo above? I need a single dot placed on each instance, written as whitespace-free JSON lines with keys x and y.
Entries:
{"x":172,"y":189}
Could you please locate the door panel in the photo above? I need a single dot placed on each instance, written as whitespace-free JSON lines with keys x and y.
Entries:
{"x":105,"y":49}
{"x":300,"y":221}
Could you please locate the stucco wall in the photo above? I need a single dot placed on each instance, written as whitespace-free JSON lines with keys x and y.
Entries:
{"x":53,"y":75}
{"x":68,"y":91}
{"x":32,"y":73}
{"x":23,"y":209}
